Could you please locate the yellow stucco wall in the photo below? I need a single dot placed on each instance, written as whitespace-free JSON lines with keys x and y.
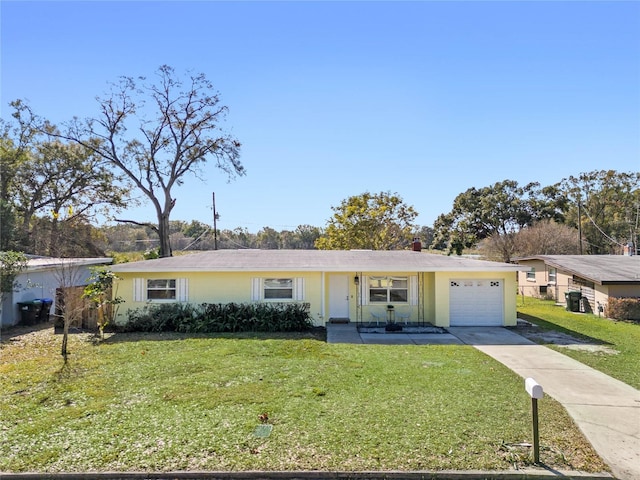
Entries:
{"x":206,"y":287}
{"x":429,"y":295}
{"x":442,"y":288}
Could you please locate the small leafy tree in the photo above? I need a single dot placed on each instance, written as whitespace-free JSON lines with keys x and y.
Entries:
{"x":379,"y":221}
{"x":11,"y":264}
{"x":102,"y":291}
{"x":68,"y":303}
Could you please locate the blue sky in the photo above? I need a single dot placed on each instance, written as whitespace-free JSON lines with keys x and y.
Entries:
{"x":332,"y":99}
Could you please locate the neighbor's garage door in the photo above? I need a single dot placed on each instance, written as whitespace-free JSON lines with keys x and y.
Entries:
{"x":475,"y":302}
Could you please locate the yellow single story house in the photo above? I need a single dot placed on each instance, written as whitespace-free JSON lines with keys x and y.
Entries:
{"x":354,"y":285}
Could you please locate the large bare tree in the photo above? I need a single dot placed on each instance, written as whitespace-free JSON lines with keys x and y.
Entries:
{"x":157,"y":133}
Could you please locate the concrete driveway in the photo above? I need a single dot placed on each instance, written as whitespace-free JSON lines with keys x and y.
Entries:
{"x":606,"y":410}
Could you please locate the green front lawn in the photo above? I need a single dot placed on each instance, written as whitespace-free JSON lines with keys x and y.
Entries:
{"x":621,"y":357}
{"x":176,"y":402}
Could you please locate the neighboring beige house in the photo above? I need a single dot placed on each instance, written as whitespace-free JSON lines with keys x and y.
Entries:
{"x":41,"y":280}
{"x":355,"y":285}
{"x":597,"y":277}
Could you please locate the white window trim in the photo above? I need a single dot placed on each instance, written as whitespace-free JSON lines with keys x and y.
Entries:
{"x":183,"y":289}
{"x":555,"y":275}
{"x":298,"y":289}
{"x":531,"y":271}
{"x":138,"y":289}
{"x":413,"y":290}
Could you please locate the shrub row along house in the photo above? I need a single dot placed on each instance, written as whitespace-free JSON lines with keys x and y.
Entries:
{"x":596,"y":278}
{"x":356,"y":285}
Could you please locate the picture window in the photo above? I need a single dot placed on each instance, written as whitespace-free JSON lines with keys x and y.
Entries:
{"x":388,"y":289}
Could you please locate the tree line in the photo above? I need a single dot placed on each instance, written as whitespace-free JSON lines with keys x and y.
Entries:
{"x":149,"y":136}
{"x":592,"y":213}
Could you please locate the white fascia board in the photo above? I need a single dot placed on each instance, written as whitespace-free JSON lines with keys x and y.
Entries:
{"x":53,"y":264}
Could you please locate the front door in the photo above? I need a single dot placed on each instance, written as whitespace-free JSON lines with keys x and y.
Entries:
{"x":339,"y":296}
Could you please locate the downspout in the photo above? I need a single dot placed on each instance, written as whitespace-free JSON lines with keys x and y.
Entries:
{"x":359,"y":298}
{"x":322,"y":297}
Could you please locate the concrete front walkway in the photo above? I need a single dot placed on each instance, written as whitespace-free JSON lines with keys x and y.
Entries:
{"x":606,"y":410}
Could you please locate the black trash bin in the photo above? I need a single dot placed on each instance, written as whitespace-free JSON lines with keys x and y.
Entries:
{"x":30,"y":312}
{"x":573,"y":301}
{"x":46,"y":309}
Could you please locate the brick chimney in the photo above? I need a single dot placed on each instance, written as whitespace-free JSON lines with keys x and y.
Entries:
{"x":416,"y":245}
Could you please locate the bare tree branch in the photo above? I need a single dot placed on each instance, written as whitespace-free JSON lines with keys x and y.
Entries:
{"x":140,"y":224}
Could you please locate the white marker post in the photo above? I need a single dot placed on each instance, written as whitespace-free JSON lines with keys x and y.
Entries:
{"x":534,"y":389}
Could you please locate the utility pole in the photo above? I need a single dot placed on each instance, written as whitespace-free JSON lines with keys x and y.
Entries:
{"x":215,"y":226}
{"x":636,"y":247}
{"x":579,"y":226}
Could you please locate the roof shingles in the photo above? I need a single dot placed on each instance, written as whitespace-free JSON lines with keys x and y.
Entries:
{"x":313,"y":260}
{"x":601,"y":269}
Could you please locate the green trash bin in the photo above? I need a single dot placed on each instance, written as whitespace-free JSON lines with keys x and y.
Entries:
{"x":573,"y":301}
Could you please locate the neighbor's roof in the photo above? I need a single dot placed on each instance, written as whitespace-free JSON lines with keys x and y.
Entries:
{"x":314,"y":261}
{"x":600,"y":269}
{"x":48,"y":263}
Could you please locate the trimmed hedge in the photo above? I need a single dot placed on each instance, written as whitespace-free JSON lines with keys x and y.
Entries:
{"x":624,"y":309}
{"x":212,"y":317}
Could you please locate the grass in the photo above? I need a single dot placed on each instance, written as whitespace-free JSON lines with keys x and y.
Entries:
{"x":621,"y":337}
{"x":173,"y":402}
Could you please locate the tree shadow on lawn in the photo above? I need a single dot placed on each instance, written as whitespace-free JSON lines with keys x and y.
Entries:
{"x":9,"y":333}
{"x":541,"y":331}
{"x":316,"y":333}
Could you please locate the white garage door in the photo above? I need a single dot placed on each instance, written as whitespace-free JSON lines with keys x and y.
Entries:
{"x":476,"y":302}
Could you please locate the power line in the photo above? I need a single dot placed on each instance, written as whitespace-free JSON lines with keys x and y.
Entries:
{"x":600,"y":230}
{"x":197,"y":238}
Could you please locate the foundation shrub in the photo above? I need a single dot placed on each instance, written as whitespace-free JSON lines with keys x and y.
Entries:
{"x":219,"y":317}
{"x":165,"y":317}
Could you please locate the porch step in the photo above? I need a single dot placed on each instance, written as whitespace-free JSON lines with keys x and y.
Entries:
{"x":338,"y":320}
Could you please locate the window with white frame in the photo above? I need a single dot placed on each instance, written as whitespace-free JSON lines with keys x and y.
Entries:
{"x":388,"y":289}
{"x":552,"y":275}
{"x":161,"y":289}
{"x":531,"y":275}
{"x":278,"y":289}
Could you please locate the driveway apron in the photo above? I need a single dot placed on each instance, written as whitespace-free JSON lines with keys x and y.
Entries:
{"x":606,"y":410}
